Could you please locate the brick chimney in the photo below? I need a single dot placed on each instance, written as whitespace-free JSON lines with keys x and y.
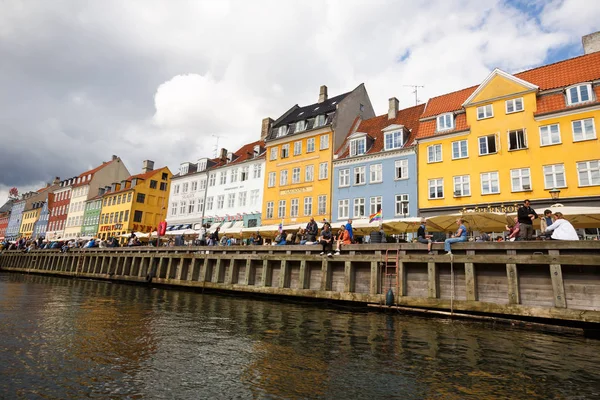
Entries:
{"x":223,"y":156}
{"x":323,"y":94}
{"x":147,"y":166}
{"x":591,"y":43}
{"x":393,"y":108}
{"x":114,"y":157}
{"x":266,"y":126}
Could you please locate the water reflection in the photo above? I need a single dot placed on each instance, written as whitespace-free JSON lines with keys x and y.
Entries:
{"x":75,"y":338}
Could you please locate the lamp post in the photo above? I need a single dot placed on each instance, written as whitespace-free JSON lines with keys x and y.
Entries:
{"x":554,"y":193}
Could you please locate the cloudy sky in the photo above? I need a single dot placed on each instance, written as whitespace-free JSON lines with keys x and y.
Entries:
{"x":160,"y":80}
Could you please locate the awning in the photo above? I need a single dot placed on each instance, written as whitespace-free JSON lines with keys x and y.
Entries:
{"x":236,"y":227}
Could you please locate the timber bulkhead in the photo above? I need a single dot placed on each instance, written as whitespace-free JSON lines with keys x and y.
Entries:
{"x":548,"y":280}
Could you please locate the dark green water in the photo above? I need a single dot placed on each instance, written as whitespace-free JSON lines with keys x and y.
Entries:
{"x":62,"y":338}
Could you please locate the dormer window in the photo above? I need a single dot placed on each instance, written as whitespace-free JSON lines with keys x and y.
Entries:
{"x":358,"y":146}
{"x":282,"y":130}
{"x":300,"y":126}
{"x":319,"y":121}
{"x":89,"y":177}
{"x":394,"y":140}
{"x":229,"y":157}
{"x":184,"y":168}
{"x":579,"y":94}
{"x":445,"y":122}
{"x":201,"y":165}
{"x":256,"y":151}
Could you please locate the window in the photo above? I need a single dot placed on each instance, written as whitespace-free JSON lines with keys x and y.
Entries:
{"x":121,"y":216}
{"x":296,"y":175}
{"x":489,"y":183}
{"x":583,"y":129}
{"x":579,"y":94}
{"x":460,"y":149}
{"x":201,"y":166}
{"x":520,"y":179}
{"x":323,"y":170}
{"x":310,"y":145}
{"x":319,"y":121}
{"x":234,"y":175}
{"x":549,"y":134}
{"x":359,"y":207}
{"x":231,"y":200}
{"x":589,"y":173}
{"x":374,"y":204}
{"x":200,"y":205}
{"x":434,"y":153}
{"x":359,"y":175}
{"x":273,"y":155}
{"x":163,"y":186}
{"x":308,"y":206}
{"x":153,"y":184}
{"x":119,"y":199}
{"x":242,"y":199}
{"x":281,"y":209}
{"x":375,"y":173}
{"x":309,"y":173}
{"x":462,"y":186}
{"x":294,"y":208}
{"x":485,"y":112}
{"x":445,"y":122}
{"x":183,"y":207}
{"x":487,"y":145}
{"x":184,"y":187}
{"x":344,"y":178}
{"x":222,"y":177}
{"x":402,"y":205}
{"x":272,"y":178}
{"x":283,"y":176}
{"x":517,"y":140}
{"x":297,"y":148}
{"x":324,"y":142}
{"x":140,"y":198}
{"x":282,"y":130}
{"x":300,"y":126}
{"x":245,"y":173}
{"x":176,"y":189}
{"x":393,"y":140}
{"x":137,"y":216}
{"x":257,"y":171}
{"x":285,"y":151}
{"x":220,"y":201}
{"x":254,"y":197}
{"x":270,"y":210}
{"x":194,"y":186}
{"x":358,"y":146}
{"x":209,"y":203}
{"x":322,"y":204}
{"x":343,"y":209}
{"x":211,"y":179}
{"x":514,"y":105}
{"x":401,"y":169}
{"x":129,"y":197}
{"x":554,"y":176}
{"x":174,"y":209}
{"x":436,"y":188}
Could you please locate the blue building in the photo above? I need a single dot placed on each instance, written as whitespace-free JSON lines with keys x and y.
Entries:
{"x":16,"y":216}
{"x":40,"y":226}
{"x":376,"y":167}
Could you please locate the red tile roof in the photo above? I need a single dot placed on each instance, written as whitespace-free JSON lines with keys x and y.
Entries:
{"x":447,"y":102}
{"x":409,"y":117}
{"x":428,"y":128}
{"x":246,"y":152}
{"x":556,"y":102}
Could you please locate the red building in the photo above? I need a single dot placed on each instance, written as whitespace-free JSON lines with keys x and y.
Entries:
{"x":3,"y":224}
{"x":58,"y":208}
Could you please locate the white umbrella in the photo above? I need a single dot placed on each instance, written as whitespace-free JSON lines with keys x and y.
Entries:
{"x":579,"y":217}
{"x":402,"y":225}
{"x":478,"y":221}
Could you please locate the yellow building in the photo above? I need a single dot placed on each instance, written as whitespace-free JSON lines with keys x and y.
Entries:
{"x":531,"y":135}
{"x":136,"y":204}
{"x":30,"y":216}
{"x":300,"y":146}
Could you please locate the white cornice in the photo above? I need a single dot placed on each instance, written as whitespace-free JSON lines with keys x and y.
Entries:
{"x":393,"y":127}
{"x":383,"y":155}
{"x":565,"y":113}
{"x":294,"y":137}
{"x":444,"y":136}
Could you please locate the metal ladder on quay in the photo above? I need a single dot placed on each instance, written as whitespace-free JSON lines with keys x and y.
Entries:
{"x":391,"y":266}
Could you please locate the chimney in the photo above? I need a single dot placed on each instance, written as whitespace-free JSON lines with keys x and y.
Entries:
{"x":114,"y":157}
{"x":266,"y":127}
{"x":591,"y":43}
{"x":393,"y":108}
{"x":323,"y":94}
{"x":56,"y":180}
{"x":223,"y":156}
{"x":147,"y":166}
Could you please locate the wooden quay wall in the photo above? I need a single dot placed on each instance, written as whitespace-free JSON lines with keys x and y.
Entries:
{"x":547,"y":280}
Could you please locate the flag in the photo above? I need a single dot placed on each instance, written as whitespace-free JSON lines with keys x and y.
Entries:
{"x":280,"y":228}
{"x":376,"y":217}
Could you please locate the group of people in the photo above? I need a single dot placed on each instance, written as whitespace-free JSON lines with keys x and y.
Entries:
{"x":28,"y":244}
{"x":326,"y":238}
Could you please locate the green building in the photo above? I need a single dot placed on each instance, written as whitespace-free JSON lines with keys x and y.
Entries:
{"x":91,"y":216}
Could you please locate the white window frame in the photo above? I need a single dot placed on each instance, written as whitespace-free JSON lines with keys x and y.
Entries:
{"x":307,"y":206}
{"x":254,"y":195}
{"x":194,"y":186}
{"x":212,"y":178}
{"x":323,"y":170}
{"x":295,"y":175}
{"x":183,"y":207}
{"x":514,"y":103}
{"x":577,"y":88}
{"x":230,"y":200}
{"x":200,"y":205}
{"x":256,"y":171}
{"x":397,"y":140}
{"x":436,"y":183}
{"x":272,"y":179}
{"x":191,"y":206}
{"x":283,"y":177}
{"x":359,"y":172}
{"x":174,"y":208}
{"x":209,"y":203}
{"x":487,"y":144}
{"x":281,"y":209}
{"x":222,"y":177}
{"x":582,"y":126}
{"x":520,"y":179}
{"x":588,"y":168}
{"x":401,"y":202}
{"x":358,"y":146}
{"x":274,"y":152}
{"x":344,"y":177}
{"x":300,"y":126}
{"x":401,"y":169}
{"x":234,"y":175}
{"x":285,"y":151}
{"x":485,"y":112}
{"x":294,"y":205}
{"x":309,"y":173}
{"x":375,"y":173}
{"x":523,"y":144}
{"x":552,"y":172}
{"x":456,"y":145}
{"x":358,"y":204}
{"x":324,"y":142}
{"x":282,"y":131}
{"x":343,"y":209}
{"x":270,"y":209}
{"x":298,"y":148}
{"x":220,"y":201}
{"x":489,"y":178}
{"x":445,"y":122}
{"x":322,"y":204}
{"x":462,"y":185}
{"x":546,"y":131}
{"x":310,"y":145}
{"x":432,"y":151}
{"x":375,"y":204}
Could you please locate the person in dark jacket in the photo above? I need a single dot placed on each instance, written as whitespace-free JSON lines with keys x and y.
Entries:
{"x":311,"y":230}
{"x":526,"y":215}
{"x":326,"y":241}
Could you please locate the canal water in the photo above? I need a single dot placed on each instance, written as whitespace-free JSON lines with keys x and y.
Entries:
{"x":64,"y":338}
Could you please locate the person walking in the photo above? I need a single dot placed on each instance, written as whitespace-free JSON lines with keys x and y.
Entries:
{"x":459,"y":236}
{"x":423,"y":237}
{"x":526,"y":215}
{"x":562,"y":229}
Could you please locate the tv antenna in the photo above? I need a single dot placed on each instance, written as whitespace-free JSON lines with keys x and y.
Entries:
{"x":216,"y":148}
{"x":415,"y":91}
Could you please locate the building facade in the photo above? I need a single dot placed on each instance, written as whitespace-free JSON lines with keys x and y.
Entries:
{"x":530,"y":135}
{"x":376,"y":168}
{"x":40,"y":226}
{"x":16,"y":217}
{"x":4,"y":217}
{"x":299,"y":155}
{"x":58,"y":202}
{"x":86,"y":186}
{"x":91,"y":216}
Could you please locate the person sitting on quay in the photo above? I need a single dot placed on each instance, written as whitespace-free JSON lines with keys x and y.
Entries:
{"x":562,"y":229}
{"x":311,"y":230}
{"x":349,"y":229}
{"x":343,"y":238}
{"x":459,"y":236}
{"x":258,"y":240}
{"x":326,"y":240}
{"x":514,"y":231}
{"x":526,"y":214}
{"x":423,"y":237}
{"x":545,"y":222}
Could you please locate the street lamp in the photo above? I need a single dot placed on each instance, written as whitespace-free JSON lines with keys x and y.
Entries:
{"x":554,"y":193}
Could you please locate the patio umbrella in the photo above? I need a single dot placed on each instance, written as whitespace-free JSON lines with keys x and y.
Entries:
{"x":579,"y":217}
{"x":402,"y":225}
{"x":362,"y":226}
{"x":478,"y":221}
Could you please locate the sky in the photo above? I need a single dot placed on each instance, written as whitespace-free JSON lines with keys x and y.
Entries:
{"x":170,"y":81}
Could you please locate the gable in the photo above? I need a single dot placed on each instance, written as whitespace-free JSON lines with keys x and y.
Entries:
{"x":499,"y":84}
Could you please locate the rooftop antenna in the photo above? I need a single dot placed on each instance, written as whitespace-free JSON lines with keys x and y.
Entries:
{"x":216,"y":148}
{"x":415,"y":91}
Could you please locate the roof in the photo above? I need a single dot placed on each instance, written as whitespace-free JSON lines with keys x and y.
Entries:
{"x":246,"y":152}
{"x":6,"y":207}
{"x":144,"y":176}
{"x":408,"y":117}
{"x":311,"y":111}
{"x":447,"y":102}
{"x":92,"y":172}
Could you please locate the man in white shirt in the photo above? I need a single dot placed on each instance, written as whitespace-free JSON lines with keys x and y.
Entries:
{"x":562,"y":229}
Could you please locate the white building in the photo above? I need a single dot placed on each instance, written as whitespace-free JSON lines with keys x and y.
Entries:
{"x":59,"y":209}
